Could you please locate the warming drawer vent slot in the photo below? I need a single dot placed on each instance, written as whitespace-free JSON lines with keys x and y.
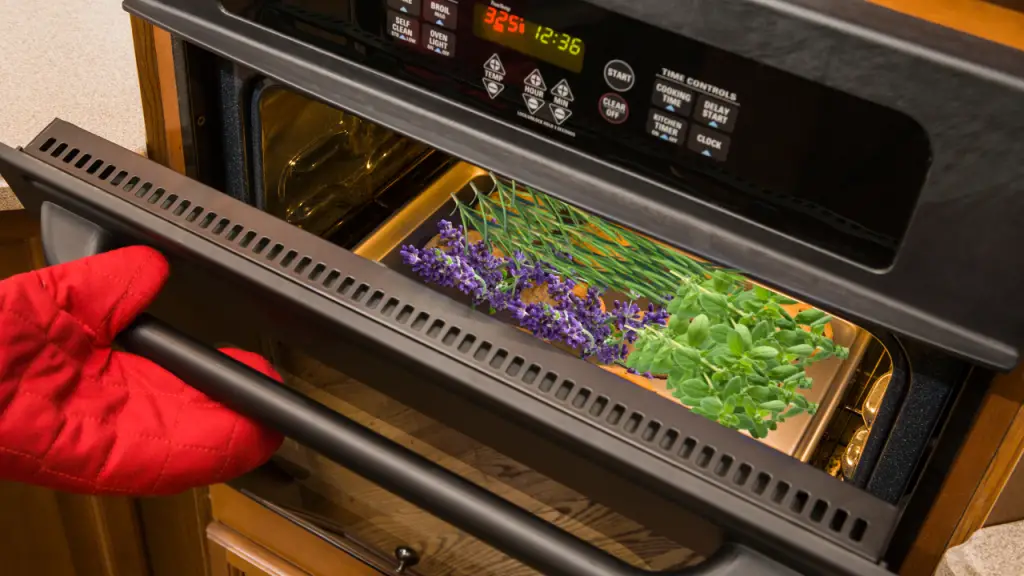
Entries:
{"x":548,"y":377}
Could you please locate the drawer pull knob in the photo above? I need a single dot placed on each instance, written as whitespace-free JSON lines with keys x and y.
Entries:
{"x":407,"y":558}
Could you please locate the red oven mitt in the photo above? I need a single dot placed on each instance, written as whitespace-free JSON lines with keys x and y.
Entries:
{"x":78,"y":416}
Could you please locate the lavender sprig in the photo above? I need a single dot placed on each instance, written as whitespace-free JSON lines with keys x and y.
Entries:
{"x":576,"y":321}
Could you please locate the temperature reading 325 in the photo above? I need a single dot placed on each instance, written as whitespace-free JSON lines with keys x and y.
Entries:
{"x":513,"y":31}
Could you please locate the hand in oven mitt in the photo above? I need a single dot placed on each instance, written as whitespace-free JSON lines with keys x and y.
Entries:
{"x":78,"y":416}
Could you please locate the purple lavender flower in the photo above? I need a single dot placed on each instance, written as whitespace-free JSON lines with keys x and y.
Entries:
{"x":576,"y":321}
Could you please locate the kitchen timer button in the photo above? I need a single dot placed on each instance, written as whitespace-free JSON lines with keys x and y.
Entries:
{"x":613,"y":108}
{"x":619,"y":75}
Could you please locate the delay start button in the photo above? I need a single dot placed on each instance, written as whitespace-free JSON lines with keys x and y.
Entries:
{"x":619,"y":75}
{"x":613,"y":108}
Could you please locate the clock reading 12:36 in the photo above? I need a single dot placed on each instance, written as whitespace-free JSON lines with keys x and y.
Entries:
{"x":515,"y":32}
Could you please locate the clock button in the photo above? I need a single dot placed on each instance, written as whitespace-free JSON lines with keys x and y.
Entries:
{"x":613,"y":108}
{"x":708,"y":143}
{"x":619,"y":75}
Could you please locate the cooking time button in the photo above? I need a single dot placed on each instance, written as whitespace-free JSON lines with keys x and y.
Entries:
{"x":716,"y":113}
{"x":708,"y":143}
{"x":613,"y":108}
{"x":403,"y":27}
{"x":441,"y":13}
{"x":672,"y":97}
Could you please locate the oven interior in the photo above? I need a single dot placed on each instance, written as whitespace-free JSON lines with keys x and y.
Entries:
{"x":385,"y":196}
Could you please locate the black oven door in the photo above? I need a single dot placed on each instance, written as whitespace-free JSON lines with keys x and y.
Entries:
{"x":667,"y":468}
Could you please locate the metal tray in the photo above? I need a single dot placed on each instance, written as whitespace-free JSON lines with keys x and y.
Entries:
{"x":416,"y":222}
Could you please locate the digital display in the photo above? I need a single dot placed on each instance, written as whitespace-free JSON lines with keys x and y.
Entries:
{"x":512,"y":31}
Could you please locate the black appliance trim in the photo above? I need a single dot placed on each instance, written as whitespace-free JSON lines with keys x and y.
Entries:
{"x":967,"y":211}
{"x":761,"y":497}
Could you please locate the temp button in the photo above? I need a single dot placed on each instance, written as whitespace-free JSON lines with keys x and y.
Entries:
{"x":613,"y":108}
{"x":708,"y":143}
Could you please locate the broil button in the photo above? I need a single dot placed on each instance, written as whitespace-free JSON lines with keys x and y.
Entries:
{"x":613,"y":108}
{"x":708,"y":143}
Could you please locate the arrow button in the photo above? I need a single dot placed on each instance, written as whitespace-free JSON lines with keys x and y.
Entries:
{"x":560,"y":113}
{"x":494,"y":65}
{"x":493,"y":88}
{"x":562,"y":90}
{"x":533,"y":103}
{"x":536,"y":80}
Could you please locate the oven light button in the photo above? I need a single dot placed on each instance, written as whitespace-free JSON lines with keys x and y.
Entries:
{"x":438,"y":40}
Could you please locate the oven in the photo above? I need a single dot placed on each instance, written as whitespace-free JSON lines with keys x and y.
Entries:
{"x":571,"y":287}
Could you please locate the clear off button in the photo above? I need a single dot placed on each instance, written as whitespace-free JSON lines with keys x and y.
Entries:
{"x":613,"y":108}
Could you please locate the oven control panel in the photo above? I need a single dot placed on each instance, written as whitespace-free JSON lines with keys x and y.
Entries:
{"x":792,"y":154}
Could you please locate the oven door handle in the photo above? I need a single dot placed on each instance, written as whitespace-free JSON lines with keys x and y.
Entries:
{"x":465,"y":505}
{"x":468,"y":507}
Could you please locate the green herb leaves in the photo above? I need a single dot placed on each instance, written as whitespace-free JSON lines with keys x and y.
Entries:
{"x":732,"y":353}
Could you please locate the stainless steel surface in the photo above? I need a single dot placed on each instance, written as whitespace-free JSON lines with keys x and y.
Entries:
{"x":851,"y":458}
{"x":874,"y":400}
